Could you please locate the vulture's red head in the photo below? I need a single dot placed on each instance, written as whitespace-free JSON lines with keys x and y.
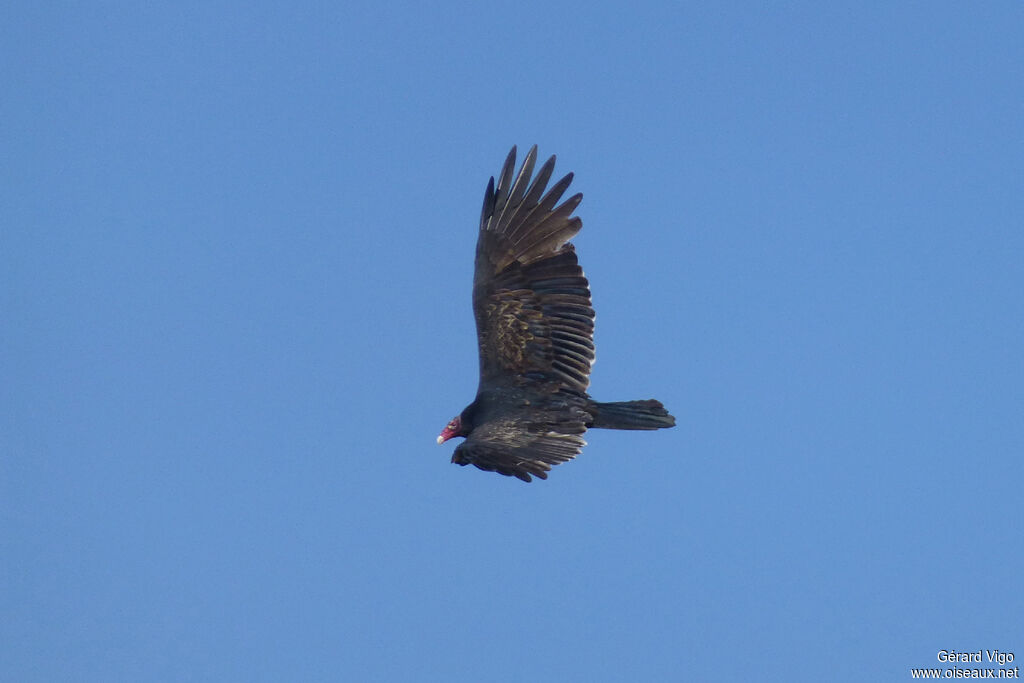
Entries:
{"x":453,"y":428}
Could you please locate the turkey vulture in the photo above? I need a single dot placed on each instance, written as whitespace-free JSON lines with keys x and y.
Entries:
{"x":535,"y":328}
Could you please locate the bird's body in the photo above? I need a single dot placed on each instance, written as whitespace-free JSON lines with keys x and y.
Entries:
{"x":535,"y":327}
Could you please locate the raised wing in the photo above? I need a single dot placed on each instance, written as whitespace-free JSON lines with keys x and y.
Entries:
{"x":516,"y":450}
{"x":531,"y":300}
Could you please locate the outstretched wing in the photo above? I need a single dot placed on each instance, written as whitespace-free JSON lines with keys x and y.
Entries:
{"x":534,"y":319}
{"x":514,"y":449}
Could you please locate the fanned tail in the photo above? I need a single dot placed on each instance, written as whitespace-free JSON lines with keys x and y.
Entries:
{"x":649,"y":414}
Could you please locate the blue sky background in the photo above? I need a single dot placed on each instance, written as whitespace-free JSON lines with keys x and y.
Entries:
{"x":235,"y":273}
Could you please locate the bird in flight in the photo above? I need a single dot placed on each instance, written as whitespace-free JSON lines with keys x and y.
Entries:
{"x":535,"y":327}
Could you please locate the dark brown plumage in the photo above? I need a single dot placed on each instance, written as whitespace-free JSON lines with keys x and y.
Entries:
{"x":535,"y":327}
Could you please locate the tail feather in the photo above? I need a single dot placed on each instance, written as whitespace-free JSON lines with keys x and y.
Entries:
{"x":649,"y":414}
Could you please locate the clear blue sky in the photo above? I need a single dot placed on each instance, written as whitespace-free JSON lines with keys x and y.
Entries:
{"x":235,"y":271}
